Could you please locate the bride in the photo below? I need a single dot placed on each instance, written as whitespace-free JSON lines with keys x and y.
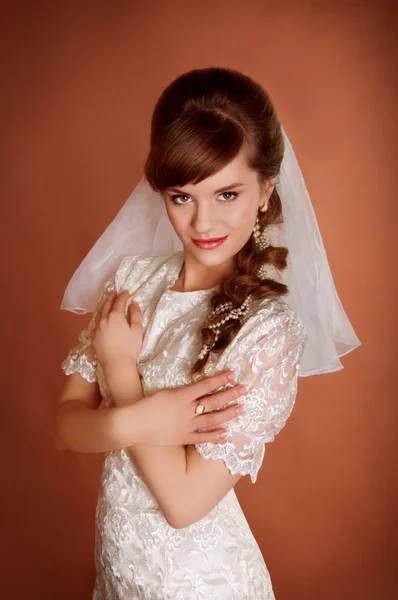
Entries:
{"x":196,"y":343}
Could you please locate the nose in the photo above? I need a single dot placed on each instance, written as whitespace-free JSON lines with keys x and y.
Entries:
{"x":203,"y":218}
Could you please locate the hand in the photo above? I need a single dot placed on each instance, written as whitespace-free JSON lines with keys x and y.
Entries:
{"x":117,"y":339}
{"x":168,"y":416}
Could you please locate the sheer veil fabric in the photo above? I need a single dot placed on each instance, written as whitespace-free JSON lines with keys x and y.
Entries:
{"x":142,"y":227}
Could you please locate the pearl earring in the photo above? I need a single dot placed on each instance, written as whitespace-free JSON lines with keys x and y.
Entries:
{"x":261,"y":239}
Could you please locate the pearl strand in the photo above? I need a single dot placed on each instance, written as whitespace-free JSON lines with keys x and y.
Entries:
{"x":261,"y":241}
{"x":235,"y":313}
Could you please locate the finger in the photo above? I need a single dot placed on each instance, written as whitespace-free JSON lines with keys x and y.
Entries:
{"x":107,"y":305}
{"x":135,"y":315}
{"x":220,"y":399}
{"x":196,"y":390}
{"x":198,"y":437}
{"x":214,"y":419}
{"x":119,"y":304}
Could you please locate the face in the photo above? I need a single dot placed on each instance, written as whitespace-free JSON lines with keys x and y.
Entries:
{"x":223,"y":205}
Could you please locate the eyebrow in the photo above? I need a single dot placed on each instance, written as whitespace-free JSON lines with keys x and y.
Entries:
{"x":223,"y":189}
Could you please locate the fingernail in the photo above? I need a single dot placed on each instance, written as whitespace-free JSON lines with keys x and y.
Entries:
{"x":229,"y":403}
{"x":224,"y":435}
{"x":240,"y":410}
{"x":231,"y":375}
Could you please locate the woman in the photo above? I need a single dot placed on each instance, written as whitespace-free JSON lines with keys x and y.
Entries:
{"x":168,"y":523}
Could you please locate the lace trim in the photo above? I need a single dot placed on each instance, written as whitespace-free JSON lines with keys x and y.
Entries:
{"x":79,"y":363}
{"x":227,"y":453}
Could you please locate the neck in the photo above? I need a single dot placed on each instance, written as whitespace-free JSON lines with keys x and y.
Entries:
{"x":195,"y":276}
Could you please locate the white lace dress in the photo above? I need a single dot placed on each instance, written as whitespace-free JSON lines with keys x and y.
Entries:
{"x":138,"y":555}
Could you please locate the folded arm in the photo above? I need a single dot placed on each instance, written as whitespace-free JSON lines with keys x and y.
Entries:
{"x":189,"y":481}
{"x":186,"y":487}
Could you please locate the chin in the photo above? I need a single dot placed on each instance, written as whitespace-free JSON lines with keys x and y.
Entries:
{"x":209,"y":258}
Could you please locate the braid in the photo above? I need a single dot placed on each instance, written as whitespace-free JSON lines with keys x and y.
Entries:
{"x":243,"y":289}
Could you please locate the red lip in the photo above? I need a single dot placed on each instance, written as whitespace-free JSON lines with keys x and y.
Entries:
{"x":211,"y":239}
{"x":209,"y":244}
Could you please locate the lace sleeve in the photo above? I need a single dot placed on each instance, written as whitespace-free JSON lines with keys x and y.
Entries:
{"x":77,"y":359}
{"x":266,"y":359}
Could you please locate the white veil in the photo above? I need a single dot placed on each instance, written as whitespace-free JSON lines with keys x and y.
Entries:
{"x":142,"y":227}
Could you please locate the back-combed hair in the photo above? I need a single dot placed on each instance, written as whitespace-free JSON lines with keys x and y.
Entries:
{"x":201,"y":121}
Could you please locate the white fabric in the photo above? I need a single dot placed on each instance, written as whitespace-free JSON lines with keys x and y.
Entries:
{"x":138,"y":555}
{"x":142,"y":227}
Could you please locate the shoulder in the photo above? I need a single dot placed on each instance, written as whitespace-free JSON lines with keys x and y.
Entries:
{"x":272,"y":314}
{"x":137,"y":269}
{"x":271,"y":326}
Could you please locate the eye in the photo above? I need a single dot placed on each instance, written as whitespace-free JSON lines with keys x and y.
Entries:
{"x":230,"y":194}
{"x":174,"y":199}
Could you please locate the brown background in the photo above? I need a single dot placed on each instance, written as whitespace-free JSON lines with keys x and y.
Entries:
{"x":80,"y":82}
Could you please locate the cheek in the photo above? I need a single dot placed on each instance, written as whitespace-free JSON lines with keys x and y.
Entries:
{"x":178,"y":219}
{"x":240,"y":219}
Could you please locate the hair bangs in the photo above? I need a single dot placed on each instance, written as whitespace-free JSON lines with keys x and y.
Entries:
{"x":198,"y":145}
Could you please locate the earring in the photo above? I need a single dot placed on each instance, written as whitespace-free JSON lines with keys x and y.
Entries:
{"x":260,"y":238}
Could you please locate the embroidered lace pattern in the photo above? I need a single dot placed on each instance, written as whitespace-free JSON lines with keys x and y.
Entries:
{"x":137,"y":554}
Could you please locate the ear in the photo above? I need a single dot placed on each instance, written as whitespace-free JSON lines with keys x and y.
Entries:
{"x":267,"y":190}
{"x":269,"y":186}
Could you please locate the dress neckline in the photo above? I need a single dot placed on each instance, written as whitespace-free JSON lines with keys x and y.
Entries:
{"x":174,"y":274}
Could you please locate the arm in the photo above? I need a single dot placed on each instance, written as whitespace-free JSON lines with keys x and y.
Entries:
{"x":82,"y":428}
{"x":186,"y":484}
{"x":124,"y":383}
{"x":175,"y":472}
{"x":80,"y":425}
{"x":166,"y":419}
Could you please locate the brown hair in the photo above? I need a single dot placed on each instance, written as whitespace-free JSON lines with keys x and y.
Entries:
{"x":201,"y":121}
